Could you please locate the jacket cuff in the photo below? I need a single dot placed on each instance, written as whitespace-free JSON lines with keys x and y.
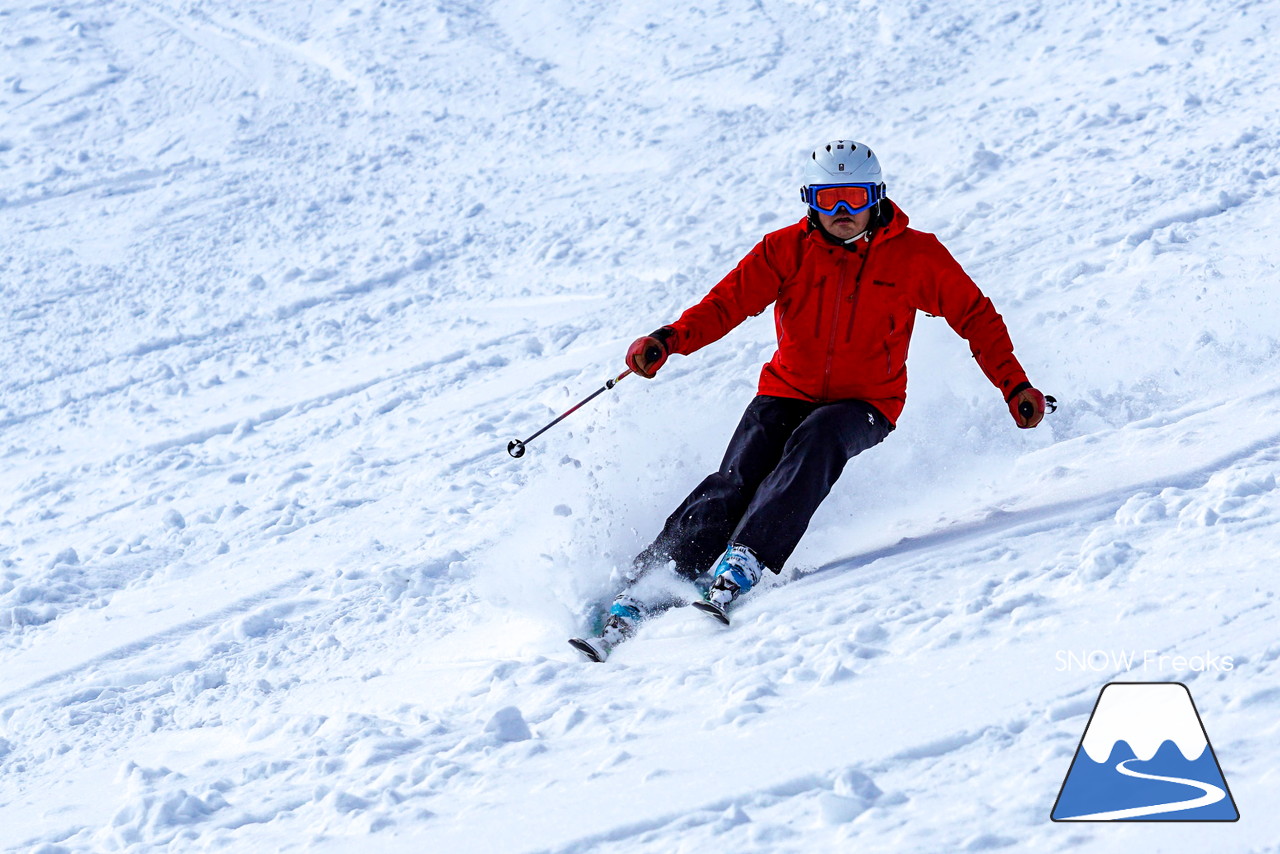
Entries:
{"x":669,"y":337}
{"x":1017,"y":390}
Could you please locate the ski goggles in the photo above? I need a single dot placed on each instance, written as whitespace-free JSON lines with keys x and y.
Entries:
{"x":851,"y":198}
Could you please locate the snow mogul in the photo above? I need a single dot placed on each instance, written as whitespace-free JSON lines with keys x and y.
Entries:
{"x":845,"y":283}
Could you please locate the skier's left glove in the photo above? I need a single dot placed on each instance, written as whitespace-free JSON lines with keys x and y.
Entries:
{"x":649,"y":353}
{"x":1027,"y":406}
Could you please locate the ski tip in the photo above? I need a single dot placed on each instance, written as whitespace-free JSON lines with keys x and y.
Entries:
{"x":586,"y":649}
{"x":714,"y":610}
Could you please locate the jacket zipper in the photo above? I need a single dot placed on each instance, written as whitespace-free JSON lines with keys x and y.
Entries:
{"x":835,"y":330}
{"x":835,"y":318}
{"x":822,"y":292}
{"x":857,"y":289}
{"x":888,"y":358}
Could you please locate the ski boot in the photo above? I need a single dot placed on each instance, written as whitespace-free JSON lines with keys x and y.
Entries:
{"x":738,"y":571}
{"x":621,"y":623}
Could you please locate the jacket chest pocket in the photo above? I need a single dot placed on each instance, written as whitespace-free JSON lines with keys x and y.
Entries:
{"x":803,"y":300}
{"x":877,"y":313}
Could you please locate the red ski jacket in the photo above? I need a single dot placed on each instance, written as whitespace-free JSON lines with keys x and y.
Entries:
{"x":844,"y":315}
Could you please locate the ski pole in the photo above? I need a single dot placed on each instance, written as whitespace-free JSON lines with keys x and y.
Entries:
{"x":516,"y":447}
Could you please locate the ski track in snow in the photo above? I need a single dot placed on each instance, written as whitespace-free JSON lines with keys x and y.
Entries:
{"x":281,"y":282}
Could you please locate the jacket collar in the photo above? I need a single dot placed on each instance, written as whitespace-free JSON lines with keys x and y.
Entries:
{"x":892,"y":223}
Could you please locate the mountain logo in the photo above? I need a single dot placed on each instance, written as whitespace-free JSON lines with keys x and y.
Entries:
{"x":1145,"y":756}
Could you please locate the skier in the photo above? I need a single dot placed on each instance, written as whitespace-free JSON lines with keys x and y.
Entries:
{"x":845,"y":283}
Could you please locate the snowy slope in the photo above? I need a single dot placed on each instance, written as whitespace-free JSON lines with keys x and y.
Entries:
{"x":281,"y":280}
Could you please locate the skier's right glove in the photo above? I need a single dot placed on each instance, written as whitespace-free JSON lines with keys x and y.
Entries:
{"x":649,"y":353}
{"x":1027,"y":405}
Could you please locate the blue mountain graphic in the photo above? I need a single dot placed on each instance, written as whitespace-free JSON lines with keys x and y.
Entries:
{"x":1098,"y":787}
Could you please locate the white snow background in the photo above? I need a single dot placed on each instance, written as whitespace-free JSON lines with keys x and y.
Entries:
{"x":280,"y":281}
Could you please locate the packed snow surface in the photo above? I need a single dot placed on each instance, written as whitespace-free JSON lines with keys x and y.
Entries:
{"x":281,"y":280}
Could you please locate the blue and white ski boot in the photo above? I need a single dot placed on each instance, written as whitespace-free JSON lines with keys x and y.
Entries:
{"x":621,"y":623}
{"x":737,"y":572}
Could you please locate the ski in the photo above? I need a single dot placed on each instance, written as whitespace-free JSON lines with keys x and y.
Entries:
{"x":714,"y":610}
{"x":599,"y":647}
{"x":592,"y":648}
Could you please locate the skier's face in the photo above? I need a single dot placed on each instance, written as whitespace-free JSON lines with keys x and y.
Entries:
{"x":845,"y":225}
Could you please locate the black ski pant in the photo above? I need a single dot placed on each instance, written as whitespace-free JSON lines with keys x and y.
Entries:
{"x":781,"y":463}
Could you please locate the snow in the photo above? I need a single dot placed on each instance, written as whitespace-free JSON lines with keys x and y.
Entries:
{"x":282,"y":280}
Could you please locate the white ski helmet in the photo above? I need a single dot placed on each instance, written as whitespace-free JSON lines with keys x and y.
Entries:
{"x":842,"y":161}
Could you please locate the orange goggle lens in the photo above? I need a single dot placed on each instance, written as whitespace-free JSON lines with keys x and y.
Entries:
{"x":826,"y":198}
